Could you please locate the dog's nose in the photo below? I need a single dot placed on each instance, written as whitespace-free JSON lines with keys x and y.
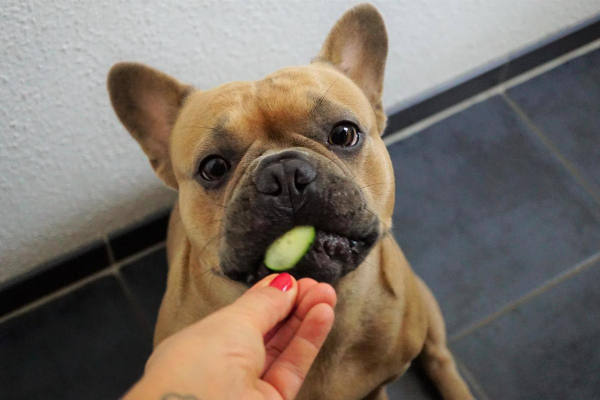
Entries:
{"x":285,"y":174}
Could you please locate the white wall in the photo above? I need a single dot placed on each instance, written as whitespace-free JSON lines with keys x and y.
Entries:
{"x":70,"y":173}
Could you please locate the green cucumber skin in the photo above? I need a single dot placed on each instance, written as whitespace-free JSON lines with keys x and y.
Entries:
{"x":292,"y":262}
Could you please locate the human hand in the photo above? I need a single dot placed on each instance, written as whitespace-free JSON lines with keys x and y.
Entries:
{"x":259,"y":347}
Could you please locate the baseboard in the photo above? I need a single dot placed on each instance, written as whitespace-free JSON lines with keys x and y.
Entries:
{"x":73,"y":267}
{"x":516,"y":64}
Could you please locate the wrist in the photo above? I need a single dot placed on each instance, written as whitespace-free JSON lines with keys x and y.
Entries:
{"x":148,"y":388}
{"x":163,"y":385}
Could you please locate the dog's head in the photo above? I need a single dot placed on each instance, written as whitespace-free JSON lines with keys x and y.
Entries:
{"x":251,"y":160}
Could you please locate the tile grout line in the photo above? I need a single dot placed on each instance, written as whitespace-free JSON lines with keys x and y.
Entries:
{"x":109,"y":250}
{"x":500,"y":88}
{"x":462,"y":367}
{"x":566,"y":163}
{"x":111,"y":270}
{"x":547,"y":285}
{"x":140,"y":254}
{"x":439,"y":116}
{"x":56,"y":294}
{"x":140,"y":314}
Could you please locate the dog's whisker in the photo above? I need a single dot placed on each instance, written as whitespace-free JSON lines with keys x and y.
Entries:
{"x":320,"y":99}
{"x":210,"y":128}
{"x":217,"y":204}
{"x":212,"y":278}
{"x":207,"y":243}
{"x":389,"y":229}
{"x":200,"y":229}
{"x":354,"y":178}
{"x":374,"y":184}
{"x":206,"y":271}
{"x":340,"y":166}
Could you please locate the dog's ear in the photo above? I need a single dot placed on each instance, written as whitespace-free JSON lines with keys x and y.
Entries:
{"x":147,"y":102}
{"x":358,"y":46}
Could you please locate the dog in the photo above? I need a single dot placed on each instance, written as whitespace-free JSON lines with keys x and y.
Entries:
{"x":251,"y":160}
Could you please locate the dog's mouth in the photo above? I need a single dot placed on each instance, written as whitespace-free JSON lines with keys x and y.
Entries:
{"x":345,"y":228}
{"x":330,"y":257}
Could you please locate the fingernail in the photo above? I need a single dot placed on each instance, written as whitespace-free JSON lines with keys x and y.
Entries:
{"x":283,"y":282}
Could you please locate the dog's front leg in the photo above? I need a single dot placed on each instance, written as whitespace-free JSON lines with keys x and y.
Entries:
{"x":436,"y":358}
{"x":378,"y":394}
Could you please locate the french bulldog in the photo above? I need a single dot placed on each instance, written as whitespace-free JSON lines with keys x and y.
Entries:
{"x":302,"y":146}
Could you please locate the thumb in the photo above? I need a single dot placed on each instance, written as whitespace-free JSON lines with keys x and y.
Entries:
{"x":267,"y":303}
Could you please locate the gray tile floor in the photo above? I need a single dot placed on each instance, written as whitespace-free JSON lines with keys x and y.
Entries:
{"x":498,"y":209}
{"x":87,"y":344}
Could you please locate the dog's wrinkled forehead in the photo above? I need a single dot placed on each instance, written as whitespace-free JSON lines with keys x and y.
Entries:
{"x":171,"y":120}
{"x":284,"y":103}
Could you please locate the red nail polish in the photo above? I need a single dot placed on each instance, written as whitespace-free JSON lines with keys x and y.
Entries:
{"x":283,"y":282}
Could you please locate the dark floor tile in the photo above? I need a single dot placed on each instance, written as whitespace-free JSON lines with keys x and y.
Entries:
{"x":53,"y":276}
{"x":134,"y":239}
{"x":413,"y":385}
{"x":565,"y":104}
{"x":485,"y":213}
{"x":545,"y":349}
{"x":147,"y":278}
{"x":84,"y":345}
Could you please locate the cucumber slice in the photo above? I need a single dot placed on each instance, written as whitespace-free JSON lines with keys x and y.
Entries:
{"x":285,"y":252}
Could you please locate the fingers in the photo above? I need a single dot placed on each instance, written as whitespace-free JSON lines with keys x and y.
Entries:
{"x":279,"y":340}
{"x":296,"y":342}
{"x":304,"y":286}
{"x":318,"y":293}
{"x":263,"y":306}
{"x":288,"y":371}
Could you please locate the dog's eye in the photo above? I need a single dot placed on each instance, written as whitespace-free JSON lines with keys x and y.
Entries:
{"x":344,"y":135}
{"x":213,"y":168}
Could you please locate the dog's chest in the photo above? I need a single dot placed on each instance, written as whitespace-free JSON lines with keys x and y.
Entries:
{"x":349,"y":380}
{"x":358,"y":358}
